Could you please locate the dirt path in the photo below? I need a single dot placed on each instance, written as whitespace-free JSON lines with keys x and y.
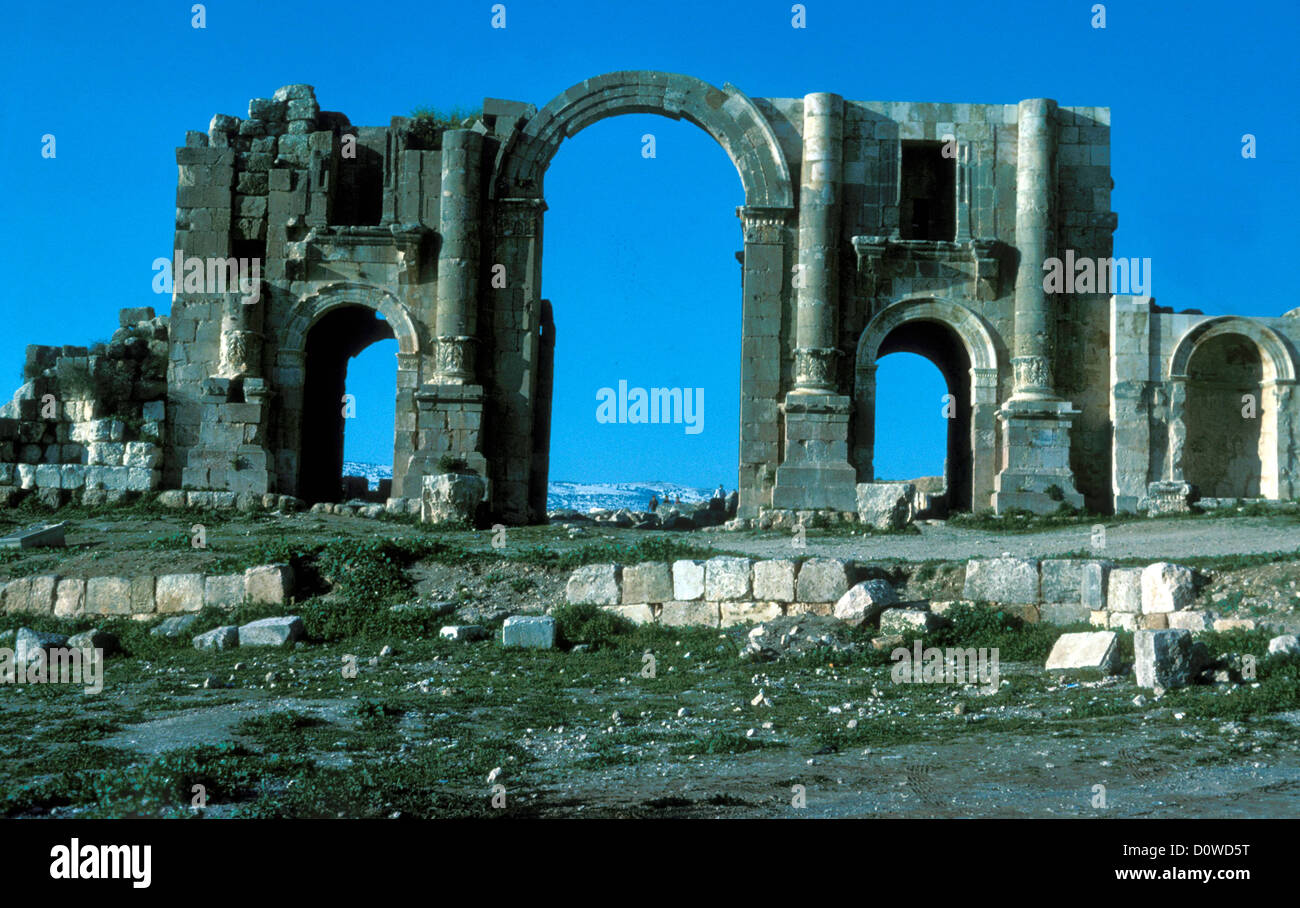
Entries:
{"x":1156,"y":539}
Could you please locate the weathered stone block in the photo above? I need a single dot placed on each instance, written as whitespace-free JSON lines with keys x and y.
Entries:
{"x":179,"y":593}
{"x":1163,"y":658}
{"x":727,"y":577}
{"x":463,"y":632}
{"x":1002,"y":580}
{"x":108,"y":595}
{"x":1124,"y":590}
{"x":689,"y":614}
{"x":1061,"y":581}
{"x":69,"y":597}
{"x":280,"y":631}
{"x":733,"y":613}
{"x":651,"y":581}
{"x":529,"y":631}
{"x":688,"y":580}
{"x":908,"y":621}
{"x":1167,"y":587}
{"x":774,"y":580}
{"x":886,"y":505}
{"x":223,"y":590}
{"x":218,"y":638}
{"x":822,"y":580}
{"x":594,"y":584}
{"x":637,"y":613}
{"x":1064,"y":612}
{"x":865,"y":601}
{"x":268,"y":584}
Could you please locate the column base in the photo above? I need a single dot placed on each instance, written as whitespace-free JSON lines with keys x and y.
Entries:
{"x":1036,"y":451}
{"x":816,"y":474}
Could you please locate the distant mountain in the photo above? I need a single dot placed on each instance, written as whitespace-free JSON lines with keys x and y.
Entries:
{"x":580,"y":496}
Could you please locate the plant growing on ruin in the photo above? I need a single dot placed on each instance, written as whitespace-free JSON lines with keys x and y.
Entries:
{"x":428,"y":123}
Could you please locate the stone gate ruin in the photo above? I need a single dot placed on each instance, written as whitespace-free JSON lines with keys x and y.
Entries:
{"x":868,"y":228}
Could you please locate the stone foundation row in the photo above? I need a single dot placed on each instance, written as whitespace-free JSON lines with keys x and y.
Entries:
{"x":145,"y":595}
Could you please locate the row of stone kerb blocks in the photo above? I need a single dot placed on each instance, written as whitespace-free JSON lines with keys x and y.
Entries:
{"x":145,"y":595}
{"x":719,"y":592}
{"x":1069,"y":591}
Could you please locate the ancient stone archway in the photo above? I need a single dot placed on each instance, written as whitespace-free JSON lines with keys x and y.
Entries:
{"x":1231,"y":424}
{"x":308,"y":402}
{"x":894,"y":329}
{"x":521,"y":368}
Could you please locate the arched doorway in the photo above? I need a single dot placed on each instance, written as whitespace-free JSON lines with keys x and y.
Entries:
{"x":896,"y":426}
{"x":961,"y":346}
{"x":768,"y":223}
{"x":1232,"y":419}
{"x":337,"y":337}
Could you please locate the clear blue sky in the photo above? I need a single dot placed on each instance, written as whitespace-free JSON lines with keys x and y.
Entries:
{"x":639,"y":253}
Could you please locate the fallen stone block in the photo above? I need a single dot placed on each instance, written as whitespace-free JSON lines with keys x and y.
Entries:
{"x":1163,"y":658}
{"x":886,"y":505}
{"x":463,"y":633}
{"x":1167,"y":588}
{"x":1284,"y":645}
{"x":651,"y":581}
{"x":279,"y":631}
{"x":1002,"y":580}
{"x":225,"y":637}
{"x":96,"y":638}
{"x":41,"y":535}
{"x":908,"y":621}
{"x":175,"y":626}
{"x":530,"y":631}
{"x":726,"y":577}
{"x":1089,"y":650}
{"x":594,"y":584}
{"x":27,"y":643}
{"x":822,"y":580}
{"x":865,"y":601}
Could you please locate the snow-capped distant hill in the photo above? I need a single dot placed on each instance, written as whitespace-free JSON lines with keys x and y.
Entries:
{"x":580,"y":496}
{"x":583,"y":496}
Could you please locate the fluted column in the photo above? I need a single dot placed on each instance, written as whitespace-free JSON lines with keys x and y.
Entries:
{"x":458,"y":256}
{"x":1036,"y":241}
{"x":819,"y":195}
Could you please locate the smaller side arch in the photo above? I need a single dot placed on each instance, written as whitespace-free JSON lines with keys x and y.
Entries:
{"x":977,"y":339}
{"x":1279,"y":362}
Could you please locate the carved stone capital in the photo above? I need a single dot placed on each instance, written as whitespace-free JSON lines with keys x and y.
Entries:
{"x":1033,"y":375}
{"x":454,"y":360}
{"x":519,"y":217}
{"x":764,"y":226}
{"x":814,"y":368}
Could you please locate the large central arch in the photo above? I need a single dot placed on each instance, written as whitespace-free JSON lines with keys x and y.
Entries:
{"x":726,"y":114}
{"x":976,"y":340}
{"x":521,"y":368}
